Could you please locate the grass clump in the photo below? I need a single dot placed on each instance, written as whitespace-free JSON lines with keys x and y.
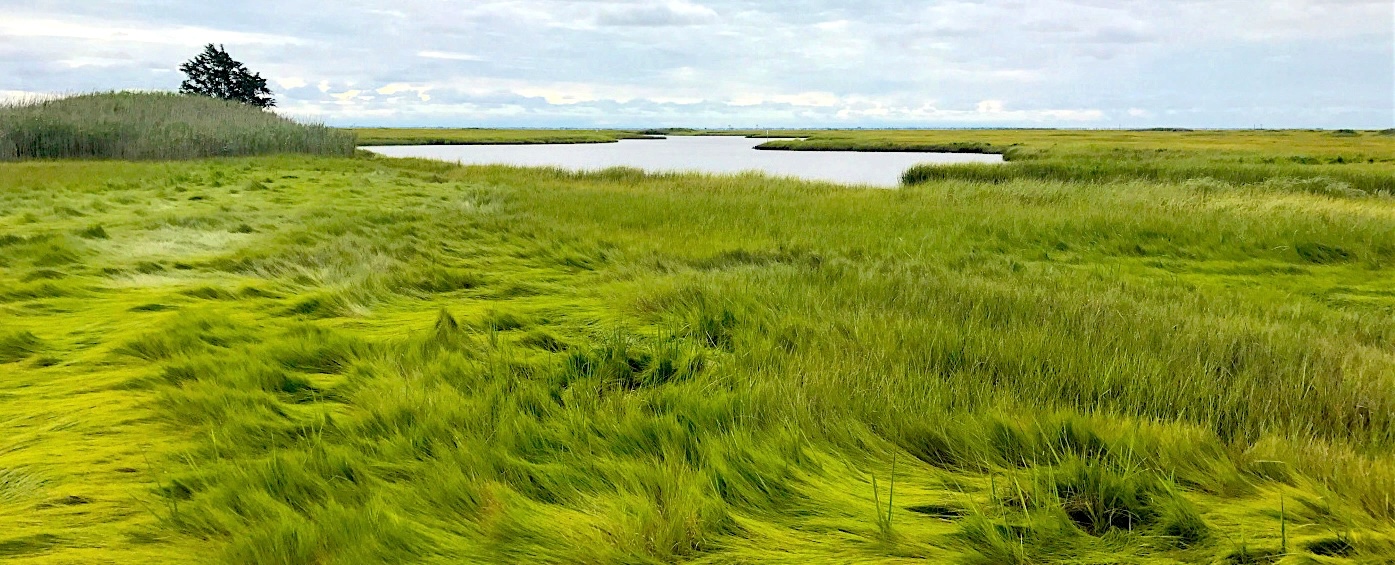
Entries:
{"x":621,"y":361}
{"x":1337,"y":545}
{"x":992,"y":542}
{"x":94,"y":232}
{"x":151,"y":125}
{"x":18,"y":346}
{"x":1100,"y":498}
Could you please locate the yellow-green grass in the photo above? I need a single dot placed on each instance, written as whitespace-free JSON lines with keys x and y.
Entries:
{"x":155,"y":125}
{"x":484,"y":136}
{"x":1345,"y":160}
{"x":309,"y":360}
{"x":1303,"y":146}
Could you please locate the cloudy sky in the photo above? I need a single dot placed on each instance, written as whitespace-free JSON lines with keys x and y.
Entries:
{"x":874,"y":63}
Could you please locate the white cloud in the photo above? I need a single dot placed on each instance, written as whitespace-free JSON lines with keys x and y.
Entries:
{"x":561,"y":95}
{"x":682,"y":74}
{"x":1300,"y":63}
{"x":989,"y":107}
{"x":399,"y":87}
{"x":395,"y":88}
{"x":449,"y":56}
{"x":746,"y":100}
{"x":80,"y":62}
{"x":291,"y":82}
{"x":988,"y":112}
{"x":390,"y":13}
{"x":21,"y":96}
{"x":806,"y":99}
{"x":645,"y":13}
{"x":675,"y":100}
{"x":18,"y":26}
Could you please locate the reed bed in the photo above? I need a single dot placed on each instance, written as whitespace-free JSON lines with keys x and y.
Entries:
{"x":155,"y":126}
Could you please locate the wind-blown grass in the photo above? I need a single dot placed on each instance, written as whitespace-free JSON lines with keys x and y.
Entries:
{"x":153,"y":125}
{"x":306,"y":360}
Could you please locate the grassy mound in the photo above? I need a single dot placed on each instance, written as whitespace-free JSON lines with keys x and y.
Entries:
{"x":156,"y":125}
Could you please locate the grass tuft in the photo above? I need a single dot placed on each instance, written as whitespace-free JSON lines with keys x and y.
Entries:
{"x":94,"y":232}
{"x":18,"y":346}
{"x":1337,"y":545}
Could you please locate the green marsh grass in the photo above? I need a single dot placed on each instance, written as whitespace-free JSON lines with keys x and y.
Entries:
{"x":1238,"y":146}
{"x":153,"y":125}
{"x":486,"y":136}
{"x":374,"y":360}
{"x":1330,"y":180}
{"x":1341,"y":161}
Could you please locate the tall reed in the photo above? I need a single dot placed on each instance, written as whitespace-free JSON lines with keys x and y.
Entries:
{"x":155,"y":125}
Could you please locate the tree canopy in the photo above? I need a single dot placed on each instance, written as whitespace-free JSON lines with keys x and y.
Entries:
{"x":215,"y":73}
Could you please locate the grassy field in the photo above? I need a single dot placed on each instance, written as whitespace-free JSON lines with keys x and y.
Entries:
{"x":482,"y":136}
{"x":152,"y":125}
{"x":305,"y":359}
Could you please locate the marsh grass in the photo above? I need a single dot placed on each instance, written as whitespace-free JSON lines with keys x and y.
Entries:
{"x":410,"y":361}
{"x":1232,"y":146}
{"x":1341,"y":162}
{"x":486,"y":136}
{"x":1333,"y":181}
{"x":17,"y":346}
{"x":153,"y":125}
{"x":817,"y":144}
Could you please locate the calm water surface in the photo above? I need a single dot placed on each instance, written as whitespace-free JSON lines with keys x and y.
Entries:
{"x":709,"y":154}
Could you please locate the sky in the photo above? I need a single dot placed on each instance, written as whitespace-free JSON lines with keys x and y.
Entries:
{"x":741,"y":63}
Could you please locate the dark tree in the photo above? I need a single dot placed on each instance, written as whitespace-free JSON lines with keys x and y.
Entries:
{"x":214,"y":73}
